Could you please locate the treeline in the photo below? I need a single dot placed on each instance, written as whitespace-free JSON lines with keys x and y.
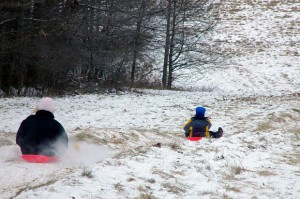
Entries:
{"x":57,"y":45}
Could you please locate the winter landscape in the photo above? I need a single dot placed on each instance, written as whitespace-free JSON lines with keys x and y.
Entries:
{"x":131,"y":144}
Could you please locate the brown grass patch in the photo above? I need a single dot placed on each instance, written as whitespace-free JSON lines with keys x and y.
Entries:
{"x":237,"y":170}
{"x":233,"y":188}
{"x":45,"y":184}
{"x":87,"y":173}
{"x":162,"y":174}
{"x":147,"y":196}
{"x":89,"y":137}
{"x":293,"y":158}
{"x":119,"y":187}
{"x":7,"y":138}
{"x":264,"y":127}
{"x":173,"y":188}
{"x":266,"y":173}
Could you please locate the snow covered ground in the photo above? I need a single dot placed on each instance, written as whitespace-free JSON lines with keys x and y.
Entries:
{"x":132,"y":146}
{"x":132,"y":143}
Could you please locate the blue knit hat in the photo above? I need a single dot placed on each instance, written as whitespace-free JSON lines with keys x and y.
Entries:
{"x":200,"y":111}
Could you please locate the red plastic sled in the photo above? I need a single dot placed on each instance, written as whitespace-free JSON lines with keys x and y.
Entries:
{"x":38,"y":158}
{"x":194,"y":138}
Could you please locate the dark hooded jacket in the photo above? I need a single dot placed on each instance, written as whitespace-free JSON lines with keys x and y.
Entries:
{"x":197,"y":126}
{"x":41,"y":134}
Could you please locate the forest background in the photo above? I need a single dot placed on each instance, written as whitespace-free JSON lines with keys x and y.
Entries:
{"x":63,"y":46}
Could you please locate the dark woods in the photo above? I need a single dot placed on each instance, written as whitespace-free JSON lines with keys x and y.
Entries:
{"x":53,"y":46}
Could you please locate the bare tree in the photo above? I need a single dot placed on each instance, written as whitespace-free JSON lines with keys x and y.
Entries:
{"x":34,"y":55}
{"x":167,"y":43}
{"x":187,"y":23}
{"x":52,"y":45}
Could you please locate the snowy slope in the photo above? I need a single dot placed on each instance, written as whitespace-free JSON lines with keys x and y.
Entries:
{"x":132,"y":143}
{"x":258,"y":156}
{"x":261,"y":44}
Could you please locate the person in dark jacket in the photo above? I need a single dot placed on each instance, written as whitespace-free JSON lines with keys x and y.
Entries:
{"x":199,"y":125}
{"x":41,"y":134}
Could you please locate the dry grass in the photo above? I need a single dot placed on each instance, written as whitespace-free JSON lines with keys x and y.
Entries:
{"x":173,"y":188}
{"x":118,"y":141}
{"x":146,"y":196}
{"x":266,"y":173}
{"x":129,"y":152}
{"x":203,"y":193}
{"x":6,"y":143}
{"x":279,"y":118}
{"x":273,"y":119}
{"x":233,"y":188}
{"x":141,"y":188}
{"x":28,"y":187}
{"x":151,"y":181}
{"x":175,"y":146}
{"x":7,"y":138}
{"x":237,"y":170}
{"x":264,"y":127}
{"x":87,"y":173}
{"x":233,"y":172}
{"x":293,"y":158}
{"x":273,"y":3}
{"x":282,"y":118}
{"x":225,"y":196}
{"x":162,"y":174}
{"x":296,"y":110}
{"x":141,"y":149}
{"x":130,"y":179}
{"x":263,"y":139}
{"x":119,"y":187}
{"x":125,"y":153}
{"x":86,"y":135}
{"x":296,"y":132}
{"x":297,"y":172}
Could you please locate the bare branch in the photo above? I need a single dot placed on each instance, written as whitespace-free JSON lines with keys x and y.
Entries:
{"x":32,"y":19}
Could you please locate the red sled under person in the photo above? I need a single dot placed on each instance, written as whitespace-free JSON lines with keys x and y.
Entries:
{"x":40,"y":134}
{"x":198,"y":126}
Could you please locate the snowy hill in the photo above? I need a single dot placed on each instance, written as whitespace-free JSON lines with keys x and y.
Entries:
{"x":262,"y":40}
{"x":132,"y":143}
{"x":147,"y":154}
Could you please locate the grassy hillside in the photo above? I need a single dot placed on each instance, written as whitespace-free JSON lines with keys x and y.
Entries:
{"x":261,"y":43}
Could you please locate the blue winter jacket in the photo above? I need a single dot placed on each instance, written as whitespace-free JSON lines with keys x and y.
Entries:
{"x":197,"y":126}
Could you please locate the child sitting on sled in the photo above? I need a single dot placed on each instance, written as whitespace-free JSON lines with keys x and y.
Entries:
{"x":199,"y":125}
{"x":41,"y":134}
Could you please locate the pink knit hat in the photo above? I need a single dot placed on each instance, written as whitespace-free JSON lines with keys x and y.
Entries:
{"x":46,"y":104}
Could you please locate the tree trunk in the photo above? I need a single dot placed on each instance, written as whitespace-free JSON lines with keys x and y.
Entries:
{"x":172,"y":35}
{"x":167,"y":46}
{"x":136,"y":42}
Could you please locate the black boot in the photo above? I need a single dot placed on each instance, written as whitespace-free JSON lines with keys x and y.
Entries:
{"x":220,"y":132}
